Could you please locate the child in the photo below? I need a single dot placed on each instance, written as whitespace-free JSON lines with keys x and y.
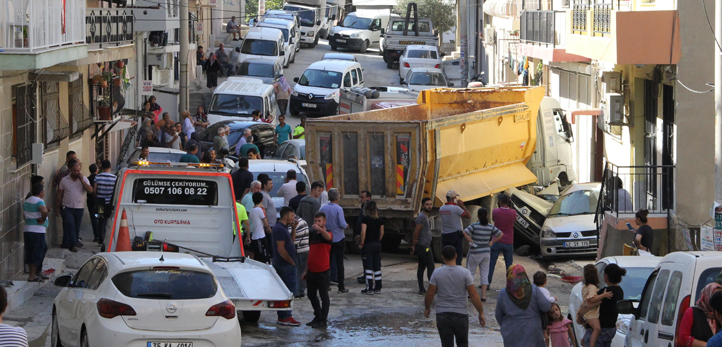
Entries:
{"x":559,"y":331}
{"x":591,"y":287}
{"x":540,"y":280}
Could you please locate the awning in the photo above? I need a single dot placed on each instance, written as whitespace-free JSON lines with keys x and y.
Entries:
{"x":121,"y":125}
{"x":487,"y":182}
{"x":54,"y":76}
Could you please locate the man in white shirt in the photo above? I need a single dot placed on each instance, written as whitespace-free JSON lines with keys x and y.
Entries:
{"x":288,"y":189}
{"x":71,"y":197}
{"x":259,"y":229}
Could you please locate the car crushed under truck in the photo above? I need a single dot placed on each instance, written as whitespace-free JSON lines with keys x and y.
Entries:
{"x":181,"y":207}
{"x":404,"y":154}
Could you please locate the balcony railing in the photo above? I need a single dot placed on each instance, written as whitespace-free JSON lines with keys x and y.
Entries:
{"x":579,"y":18}
{"x":108,"y":26}
{"x":546,"y":28}
{"x":602,"y":18}
{"x":627,"y":189}
{"x":36,"y":25}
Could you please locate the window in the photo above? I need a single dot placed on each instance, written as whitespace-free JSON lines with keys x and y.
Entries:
{"x":166,"y":284}
{"x":325,"y":145}
{"x":347,"y":80}
{"x":55,"y":127}
{"x":360,"y":76}
{"x":280,"y":149}
{"x":708,"y":276}
{"x":670,"y":302}
{"x":83,"y":276}
{"x":377,"y":173}
{"x":403,"y":162}
{"x":23,"y":108}
{"x":79,"y":118}
{"x":354,"y":75}
{"x":647,"y":296}
{"x":376,"y":24}
{"x":657,"y":296}
{"x":99,"y":273}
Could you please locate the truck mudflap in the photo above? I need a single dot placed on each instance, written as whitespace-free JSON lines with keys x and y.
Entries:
{"x":251,"y":285}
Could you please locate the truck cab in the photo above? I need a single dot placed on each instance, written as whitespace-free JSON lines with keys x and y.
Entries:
{"x":359,"y":30}
{"x":313,"y":19}
{"x":238,"y":97}
{"x":402,"y":32}
{"x":552,"y":158}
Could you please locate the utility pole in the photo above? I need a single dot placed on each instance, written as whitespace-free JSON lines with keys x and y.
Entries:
{"x":464,"y":48}
{"x":183,"y":55}
{"x":718,"y":100}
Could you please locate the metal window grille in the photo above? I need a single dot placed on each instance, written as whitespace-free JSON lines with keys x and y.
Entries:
{"x":79,"y":117}
{"x":602,"y":18}
{"x":538,"y":27}
{"x":55,"y":126}
{"x":25,"y":121}
{"x":579,"y":18}
{"x":108,"y":26}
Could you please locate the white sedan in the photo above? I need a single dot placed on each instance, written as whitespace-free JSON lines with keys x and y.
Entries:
{"x":418,"y":56}
{"x":143,"y":299}
{"x":638,"y":270}
{"x":423,"y":78}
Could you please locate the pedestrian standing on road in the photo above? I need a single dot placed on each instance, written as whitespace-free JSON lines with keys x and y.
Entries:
{"x":103,"y":189}
{"x":242,"y":179}
{"x":300,"y":194}
{"x":10,"y":336}
{"x":560,"y":330}
{"x":481,"y":236}
{"x":519,"y":305}
{"x":288,"y":189}
{"x":188,"y":126}
{"x":301,"y":244}
{"x":336,"y":223}
{"x":247,"y":200}
{"x":172,"y":140}
{"x":453,"y":284}
{"x":222,"y":58}
{"x":318,"y":269}
{"x":227,"y":131}
{"x":268,"y":205}
{"x":218,"y":139}
{"x":451,"y":225}
{"x":261,"y":230}
{"x":35,"y":179}
{"x":63,"y":170}
{"x":242,"y":141}
{"x":606,"y":302}
{"x":91,"y":201}
{"x":715,"y":302}
{"x":200,"y":120}
{"x":284,"y":255}
{"x":150,"y":140}
{"x":644,"y":235}
{"x":540,"y":281}
{"x":70,"y":201}
{"x":698,"y":324}
{"x":201,"y":58}
{"x":372,"y":232}
{"x":146,"y":128}
{"x":299,"y":132}
{"x":213,"y":67}
{"x":590,"y":297}
{"x":504,"y":218}
{"x":283,"y":131}
{"x":421,"y":244}
{"x":283,"y":93}
{"x":363,"y":197}
{"x":190,"y":156}
{"x":36,"y":223}
{"x":309,"y":205}
{"x":181,"y":135}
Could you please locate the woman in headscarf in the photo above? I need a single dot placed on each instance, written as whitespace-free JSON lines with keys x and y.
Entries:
{"x":155,"y":108}
{"x":212,"y":69}
{"x":698,"y":323}
{"x":283,"y":93}
{"x":144,"y":129}
{"x":200,"y":120}
{"x":521,"y":304}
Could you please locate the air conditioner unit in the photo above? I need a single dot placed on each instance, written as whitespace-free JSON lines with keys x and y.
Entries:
{"x":612,"y":81}
{"x":490,"y":34}
{"x":614,"y":108}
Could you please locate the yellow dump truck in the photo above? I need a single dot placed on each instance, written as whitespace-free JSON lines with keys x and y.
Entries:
{"x":474,"y":141}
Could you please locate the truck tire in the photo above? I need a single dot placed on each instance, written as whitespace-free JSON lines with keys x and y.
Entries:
{"x":364,"y":46}
{"x":436,"y":249}
{"x":390,"y":243}
{"x":251,"y":316}
{"x":333,"y":47}
{"x":315,"y":42}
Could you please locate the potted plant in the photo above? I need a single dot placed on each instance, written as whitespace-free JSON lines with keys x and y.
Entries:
{"x":104,"y":108}
{"x":107,"y":76}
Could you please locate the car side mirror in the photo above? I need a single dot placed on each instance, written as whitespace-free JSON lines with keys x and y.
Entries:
{"x":627,"y":307}
{"x":318,"y":22}
{"x":451,"y":84}
{"x":283,"y":52}
{"x":295,"y":79}
{"x":63,"y":281}
{"x":238,"y":49}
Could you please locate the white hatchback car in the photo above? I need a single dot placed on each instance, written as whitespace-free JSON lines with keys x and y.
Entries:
{"x":419,"y":56}
{"x":143,"y":299}
{"x":276,"y":170}
{"x":423,"y":78}
{"x":638,"y":270}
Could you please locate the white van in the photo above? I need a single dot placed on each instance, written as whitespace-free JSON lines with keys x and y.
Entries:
{"x":359,"y":30}
{"x":291,"y":36}
{"x":318,"y":89}
{"x":238,"y":97}
{"x":670,"y":290}
{"x":263,"y":43}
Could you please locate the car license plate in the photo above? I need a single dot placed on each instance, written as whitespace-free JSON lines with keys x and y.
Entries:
{"x":576,"y":244}
{"x":170,"y":344}
{"x":521,"y":221}
{"x":308,"y":105}
{"x":340,"y":40}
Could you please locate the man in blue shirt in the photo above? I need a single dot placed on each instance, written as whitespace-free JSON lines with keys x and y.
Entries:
{"x":716,"y":303}
{"x":336,"y":223}
{"x":284,"y":253}
{"x":283,"y":130}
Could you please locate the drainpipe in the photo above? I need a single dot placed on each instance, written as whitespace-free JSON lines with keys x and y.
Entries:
{"x":183,"y":55}
{"x":718,"y":100}
{"x":464,"y":49}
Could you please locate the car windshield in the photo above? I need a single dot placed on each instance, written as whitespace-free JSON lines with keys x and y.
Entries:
{"x":424,"y":54}
{"x":307,"y":16}
{"x":235,"y":104}
{"x":356,"y":22}
{"x":320,"y":78}
{"x":167,"y":284}
{"x":256,"y":69}
{"x":260,"y":47}
{"x":399,"y":26}
{"x":576,"y":203}
{"x":633,"y":282}
{"x":427,"y":79}
{"x":159,"y":157}
{"x":284,"y":31}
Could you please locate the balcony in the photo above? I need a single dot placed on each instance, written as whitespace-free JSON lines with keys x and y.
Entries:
{"x":613,"y":33}
{"x":41,"y":33}
{"x":543,"y":36}
{"x":156,"y":15}
{"x":109,"y":34}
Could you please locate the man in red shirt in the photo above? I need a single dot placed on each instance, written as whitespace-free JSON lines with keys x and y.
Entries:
{"x":504,"y":218}
{"x":317,"y":274}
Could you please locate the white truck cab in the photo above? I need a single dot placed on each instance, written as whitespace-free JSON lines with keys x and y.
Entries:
{"x":238,"y":97}
{"x":359,"y":30}
{"x":552,"y":157}
{"x":264,"y":43}
{"x":291,"y":36}
{"x":318,"y":90}
{"x":314,"y":24}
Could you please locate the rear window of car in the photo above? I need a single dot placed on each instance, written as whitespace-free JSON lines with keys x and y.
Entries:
{"x":166,"y":191}
{"x":167,"y":284}
{"x":279,"y":178}
{"x":708,"y":276}
{"x":422,"y":54}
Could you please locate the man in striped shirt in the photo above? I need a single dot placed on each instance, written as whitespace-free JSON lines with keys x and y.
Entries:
{"x":36,"y":222}
{"x":481,"y":236}
{"x":103,"y":187}
{"x":10,"y":336}
{"x":301,"y":243}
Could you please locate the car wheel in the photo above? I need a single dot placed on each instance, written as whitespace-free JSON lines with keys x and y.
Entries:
{"x":390,"y":64}
{"x":251,"y":316}
{"x":401,"y":80}
{"x":436,"y":249}
{"x":364,"y":46}
{"x":55,"y":333}
{"x":334,"y":48}
{"x":293,"y":60}
{"x":315,"y":42}
{"x":293,"y":112}
{"x":84,"y":339}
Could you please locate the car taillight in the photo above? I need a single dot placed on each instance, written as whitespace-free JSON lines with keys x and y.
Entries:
{"x":279,"y":304}
{"x":407,"y":65}
{"x":225,"y":309}
{"x":169,"y":248}
{"x":680,"y":313}
{"x":109,"y":309}
{"x":437,"y":66}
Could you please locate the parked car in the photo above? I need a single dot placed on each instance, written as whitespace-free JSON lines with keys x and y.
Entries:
{"x":276,"y":170}
{"x":339,"y":56}
{"x":531,"y":212}
{"x":291,"y":37}
{"x":143,"y":299}
{"x":672,"y":287}
{"x":238,"y":97}
{"x":294,"y":147}
{"x":317,"y":90}
{"x":422,"y":78}
{"x":419,"y":56}
{"x":156,"y":154}
{"x":263,"y":135}
{"x":264,"y":43}
{"x":638,"y":270}
{"x":264,"y":70}
{"x":569,"y":229}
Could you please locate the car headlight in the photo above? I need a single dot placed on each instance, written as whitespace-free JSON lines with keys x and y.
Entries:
{"x":331,"y":96}
{"x":547,"y":232}
{"x":310,"y":33}
{"x":355,"y":34}
{"x":623,"y":325}
{"x":294,"y":92}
